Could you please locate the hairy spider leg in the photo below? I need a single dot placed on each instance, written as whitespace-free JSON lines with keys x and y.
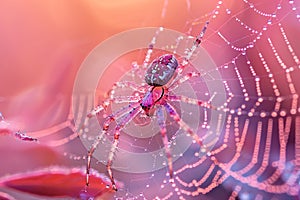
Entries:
{"x":119,"y":127}
{"x":105,"y":128}
{"x":163,"y":131}
{"x":176,"y":82}
{"x":90,"y":154}
{"x":102,"y":107}
{"x":150,"y":48}
{"x":125,"y":99}
{"x":191,"y":51}
{"x":120,"y":99}
{"x":196,"y":102}
{"x":98,"y":109}
{"x":123,"y":84}
{"x":173,"y":113}
{"x":189,"y":100}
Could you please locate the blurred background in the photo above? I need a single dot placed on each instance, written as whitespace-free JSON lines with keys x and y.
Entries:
{"x":255,"y":48}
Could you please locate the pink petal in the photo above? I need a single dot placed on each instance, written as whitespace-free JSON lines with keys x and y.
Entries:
{"x":59,"y":181}
{"x":4,"y":196}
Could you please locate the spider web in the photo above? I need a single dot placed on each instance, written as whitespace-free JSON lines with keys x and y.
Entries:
{"x":255,"y":48}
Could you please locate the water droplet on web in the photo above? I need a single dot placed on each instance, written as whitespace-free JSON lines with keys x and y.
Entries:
{"x":264,"y":28}
{"x":278,"y":6}
{"x":269,"y":22}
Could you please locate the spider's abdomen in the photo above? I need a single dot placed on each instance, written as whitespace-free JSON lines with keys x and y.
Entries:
{"x":161,"y":70}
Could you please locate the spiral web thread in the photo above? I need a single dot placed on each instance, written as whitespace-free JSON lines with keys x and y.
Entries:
{"x":259,"y":148}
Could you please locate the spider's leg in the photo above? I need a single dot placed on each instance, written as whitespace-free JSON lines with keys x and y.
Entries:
{"x":182,"y":79}
{"x":112,"y":99}
{"x":150,"y":48}
{"x":123,"y":84}
{"x":102,"y":107}
{"x":105,"y":128}
{"x":90,"y":154}
{"x":181,"y":98}
{"x":163,"y":131}
{"x":191,"y":50}
{"x":125,"y":99}
{"x":127,"y":118}
{"x":173,"y":113}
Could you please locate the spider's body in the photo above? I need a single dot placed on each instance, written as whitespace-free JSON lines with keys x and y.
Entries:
{"x":153,"y":101}
{"x":153,"y":96}
{"x":161,"y":70}
{"x":158,"y":74}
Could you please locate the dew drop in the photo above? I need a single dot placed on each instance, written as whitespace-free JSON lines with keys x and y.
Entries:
{"x":278,"y":6}
{"x":269,"y":22}
{"x":265,"y":28}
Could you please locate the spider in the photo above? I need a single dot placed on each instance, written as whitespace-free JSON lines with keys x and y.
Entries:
{"x":162,"y":75}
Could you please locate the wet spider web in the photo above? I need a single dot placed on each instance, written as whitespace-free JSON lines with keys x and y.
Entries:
{"x":255,"y":48}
